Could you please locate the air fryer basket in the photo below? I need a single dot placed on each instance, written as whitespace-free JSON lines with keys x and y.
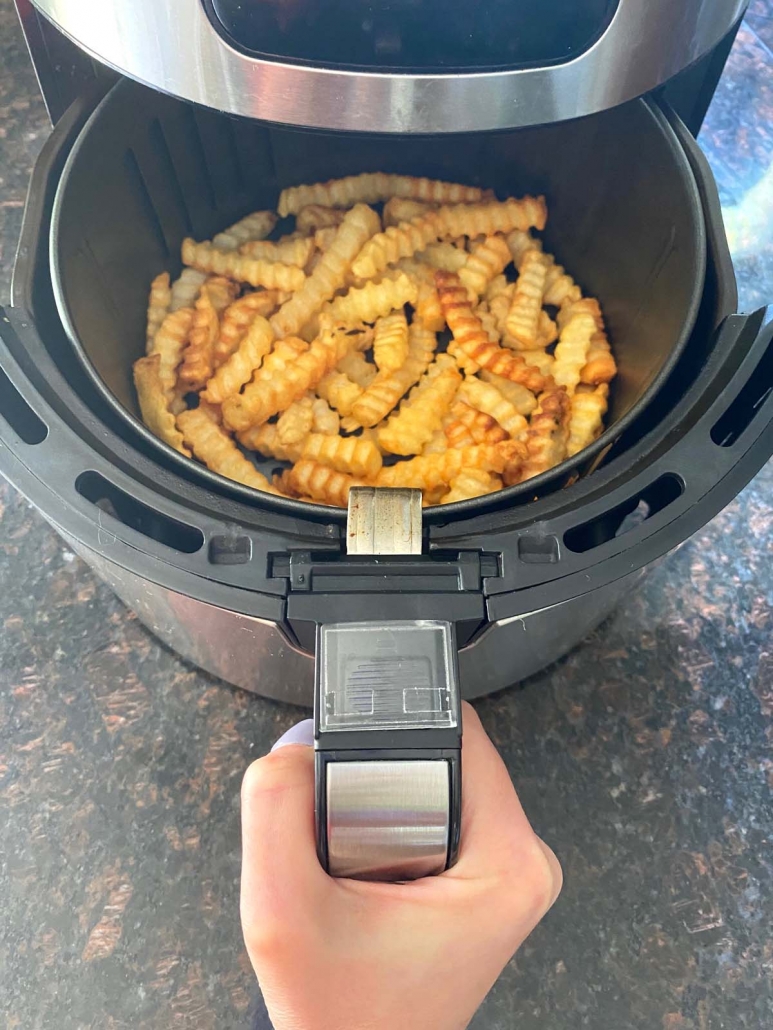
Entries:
{"x":147,"y":170}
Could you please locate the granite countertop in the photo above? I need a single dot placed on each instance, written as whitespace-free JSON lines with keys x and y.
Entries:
{"x":644,"y":758}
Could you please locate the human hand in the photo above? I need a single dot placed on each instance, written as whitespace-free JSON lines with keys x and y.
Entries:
{"x":336,"y":954}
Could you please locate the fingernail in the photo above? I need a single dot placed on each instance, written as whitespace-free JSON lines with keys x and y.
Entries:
{"x":301,"y":733}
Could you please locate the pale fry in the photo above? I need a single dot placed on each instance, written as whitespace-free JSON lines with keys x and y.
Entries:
{"x":354,"y":455}
{"x":400,"y":209}
{"x":340,"y":392}
{"x":586,"y":420}
{"x":222,"y":292}
{"x":372,"y":187}
{"x":523,"y":400}
{"x":471,"y":483}
{"x":387,"y":388}
{"x":573,"y":345}
{"x":154,"y":403}
{"x":404,"y":240}
{"x":430,"y":470}
{"x":295,"y":422}
{"x":186,"y":289}
{"x":374,"y":300}
{"x":323,"y":484}
{"x":546,"y":438}
{"x":466,"y":426}
{"x":214,"y":446}
{"x":357,"y":368}
{"x":330,"y":274}
{"x":446,"y":256}
{"x":265,"y":439}
{"x":289,"y":252}
{"x":488,"y":399}
{"x":485,"y":261}
{"x":169,"y":343}
{"x":270,"y":274}
{"x":159,"y":305}
{"x":256,"y":226}
{"x":524,"y":316}
{"x":316,"y":216}
{"x":237,"y":318}
{"x":390,"y":342}
{"x":421,"y":414}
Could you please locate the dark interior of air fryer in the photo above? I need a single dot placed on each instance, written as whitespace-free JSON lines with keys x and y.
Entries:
{"x":624,"y":217}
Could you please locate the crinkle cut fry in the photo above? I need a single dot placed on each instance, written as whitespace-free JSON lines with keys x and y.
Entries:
{"x":354,"y":455}
{"x":466,"y":426}
{"x":471,"y":483}
{"x":294,"y":424}
{"x":256,"y":226}
{"x":373,"y":187}
{"x":272,"y":275}
{"x":237,"y":318}
{"x":546,"y":438}
{"x":387,"y":388}
{"x":169,"y":343}
{"x":159,"y":304}
{"x":324,"y":484}
{"x":330,"y":274}
{"x":524,"y":316}
{"x":403,"y":241}
{"x":374,"y":300}
{"x":421,"y":414}
{"x":197,"y":362}
{"x":486,"y":260}
{"x":390,"y":342}
{"x":265,"y":396}
{"x":401,"y":209}
{"x":154,"y":402}
{"x":430,"y":470}
{"x":288,"y":252}
{"x":471,"y":339}
{"x":212,"y":445}
{"x":239,"y":368}
{"x":317,"y":216}
{"x":186,"y":289}
{"x":586,"y":421}
{"x":488,"y":399}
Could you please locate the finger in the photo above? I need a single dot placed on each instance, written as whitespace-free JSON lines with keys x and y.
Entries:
{"x":497,"y":837}
{"x":281,"y":876}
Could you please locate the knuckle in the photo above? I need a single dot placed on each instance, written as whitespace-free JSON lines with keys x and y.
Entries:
{"x":275,"y":772}
{"x":531,"y":885}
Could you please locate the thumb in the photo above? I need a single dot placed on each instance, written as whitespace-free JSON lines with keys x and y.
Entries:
{"x":281,"y":875}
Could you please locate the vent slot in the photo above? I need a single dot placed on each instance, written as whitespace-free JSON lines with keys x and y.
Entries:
{"x":739,"y":416}
{"x":625,"y":517}
{"x":19,"y":415}
{"x":230,"y":550}
{"x":138,"y":516}
{"x":538,"y":550}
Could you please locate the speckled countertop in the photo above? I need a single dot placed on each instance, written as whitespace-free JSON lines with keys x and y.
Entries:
{"x":644,"y":758}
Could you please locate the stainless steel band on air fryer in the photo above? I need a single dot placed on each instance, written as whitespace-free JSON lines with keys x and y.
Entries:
{"x":174,"y":47}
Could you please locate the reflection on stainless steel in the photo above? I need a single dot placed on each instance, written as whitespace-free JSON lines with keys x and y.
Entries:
{"x":387,"y":820}
{"x":383,"y":521}
{"x":173,"y":46}
{"x":256,"y":656}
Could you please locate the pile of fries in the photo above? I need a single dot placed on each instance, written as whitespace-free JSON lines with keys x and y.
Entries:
{"x":426,"y":342}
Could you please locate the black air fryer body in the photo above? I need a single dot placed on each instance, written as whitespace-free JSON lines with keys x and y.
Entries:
{"x":239,"y":583}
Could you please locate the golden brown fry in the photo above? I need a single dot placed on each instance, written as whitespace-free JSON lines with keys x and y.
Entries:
{"x":524,"y":317}
{"x":212,"y":445}
{"x":315,"y":216}
{"x":523,"y":400}
{"x":154,"y":403}
{"x":472,"y":341}
{"x":437,"y":443}
{"x":374,"y":300}
{"x":577,"y":330}
{"x":371,"y":188}
{"x":186,"y":289}
{"x":266,"y":395}
{"x":466,"y":426}
{"x":427,"y":304}
{"x":400,"y":209}
{"x":487,"y":398}
{"x":169,"y":343}
{"x":430,"y":470}
{"x":197,"y":363}
{"x":322,"y":483}
{"x":270,"y":274}
{"x":421,"y":414}
{"x":586,"y":421}
{"x":330,"y":274}
{"x":388,"y":387}
{"x":390,"y":342}
{"x":401,"y":241}
{"x":471,"y":483}
{"x":546,"y":438}
{"x":485,"y":261}
{"x":256,"y":226}
{"x":265,"y":439}
{"x":354,"y":455}
{"x":324,"y":419}
{"x":294,"y":424}
{"x":339,"y":391}
{"x":289,"y":252}
{"x":238,"y":370}
{"x":159,"y":304}
{"x":541,"y":360}
{"x":237,"y":318}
